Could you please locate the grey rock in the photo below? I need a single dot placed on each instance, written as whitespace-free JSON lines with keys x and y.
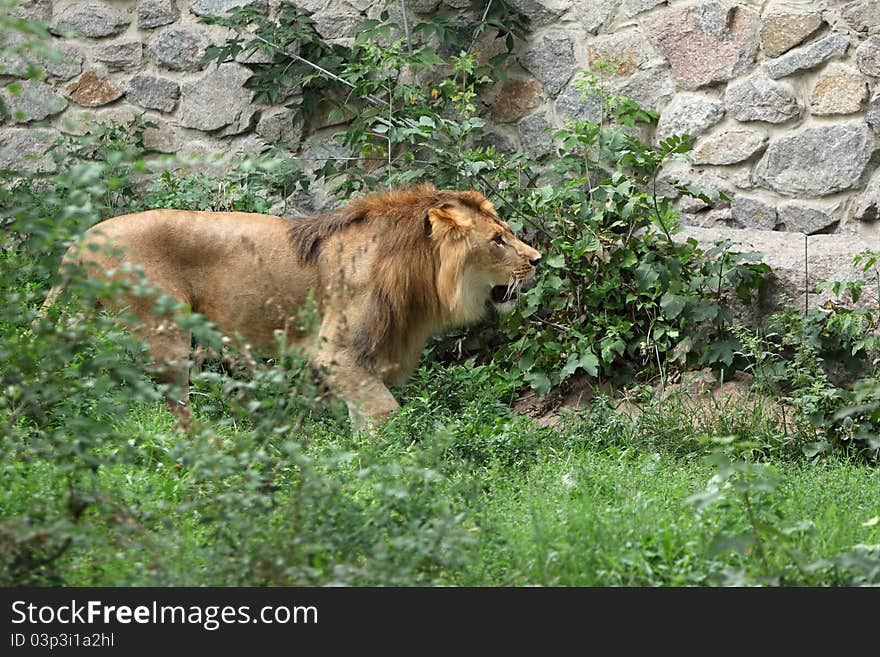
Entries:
{"x":223,"y":7}
{"x":500,"y":141}
{"x":313,"y":6}
{"x":534,"y":136}
{"x":551,"y":61}
{"x":705,"y":43}
{"x":680,"y":173}
{"x":91,"y":20}
{"x":121,"y":56}
{"x":78,"y":121}
{"x":634,"y":7}
{"x":573,"y":105}
{"x":809,"y":219}
{"x":714,"y":218}
{"x":364,"y":5}
{"x":156,"y":13}
{"x":64,"y":63}
{"x":180,"y":50}
{"x":817,"y":161}
{"x":542,"y":12}
{"x":868,"y":56}
{"x":713,"y":18}
{"x":321,"y":149}
{"x":749,"y":212}
{"x":596,"y":14}
{"x":280,"y":127}
{"x":26,"y":150}
{"x":163,"y":138}
{"x":651,"y":88}
{"x":153,"y":92}
{"x":457,"y":4}
{"x":218,"y":101}
{"x":868,"y":204}
{"x":690,"y":204}
{"x":729,"y":147}
{"x":861,"y":16}
{"x":198,"y":155}
{"x":258,"y":56}
{"x":34,"y":10}
{"x":424,"y":6}
{"x":807,"y":57}
{"x":757,"y":98}
{"x":337,"y":25}
{"x":59,"y":60}
{"x":872,"y":115}
{"x":36,"y":101}
{"x":689,"y":114}
{"x":14,"y":54}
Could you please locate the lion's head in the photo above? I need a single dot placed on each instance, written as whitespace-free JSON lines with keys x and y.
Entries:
{"x":436,"y":258}
{"x":480,"y":259}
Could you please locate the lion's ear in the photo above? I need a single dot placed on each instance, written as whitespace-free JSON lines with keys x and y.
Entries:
{"x":446,"y":219}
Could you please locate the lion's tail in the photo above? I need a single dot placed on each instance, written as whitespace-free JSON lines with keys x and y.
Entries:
{"x":52,"y":297}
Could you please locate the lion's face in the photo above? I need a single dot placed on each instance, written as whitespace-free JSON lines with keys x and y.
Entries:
{"x":481,"y":260}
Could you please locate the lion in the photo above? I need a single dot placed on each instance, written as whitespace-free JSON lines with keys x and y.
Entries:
{"x":386,"y":272}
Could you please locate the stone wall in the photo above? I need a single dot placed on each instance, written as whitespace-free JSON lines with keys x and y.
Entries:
{"x":783,"y":97}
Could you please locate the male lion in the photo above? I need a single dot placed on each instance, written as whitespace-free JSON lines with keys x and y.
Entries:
{"x":387,"y":271}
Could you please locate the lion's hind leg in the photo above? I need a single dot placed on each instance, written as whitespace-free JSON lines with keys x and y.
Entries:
{"x":169,"y":349}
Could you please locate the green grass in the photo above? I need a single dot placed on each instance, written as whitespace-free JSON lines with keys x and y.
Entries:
{"x":617,"y":517}
{"x":456,"y":491}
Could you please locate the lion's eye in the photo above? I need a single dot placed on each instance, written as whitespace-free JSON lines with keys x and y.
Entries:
{"x":498,"y":239}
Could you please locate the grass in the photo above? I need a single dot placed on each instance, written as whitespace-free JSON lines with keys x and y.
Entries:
{"x":619,"y":518}
{"x":456,"y":491}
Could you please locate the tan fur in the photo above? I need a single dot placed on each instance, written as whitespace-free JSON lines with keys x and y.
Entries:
{"x":387,"y":271}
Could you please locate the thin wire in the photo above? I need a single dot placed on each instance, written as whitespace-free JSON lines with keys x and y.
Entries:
{"x":373,"y":99}
{"x":479,"y":31}
{"x":406,"y":26}
{"x":388,"y":133}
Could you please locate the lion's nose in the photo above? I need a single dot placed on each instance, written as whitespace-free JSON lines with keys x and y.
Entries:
{"x":534,"y":261}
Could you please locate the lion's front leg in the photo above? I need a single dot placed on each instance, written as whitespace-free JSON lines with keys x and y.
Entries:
{"x":369,"y":401}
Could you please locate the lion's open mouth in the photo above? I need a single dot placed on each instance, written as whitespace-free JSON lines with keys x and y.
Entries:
{"x":503,"y":293}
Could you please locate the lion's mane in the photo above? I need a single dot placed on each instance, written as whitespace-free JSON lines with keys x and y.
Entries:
{"x":408,"y":284}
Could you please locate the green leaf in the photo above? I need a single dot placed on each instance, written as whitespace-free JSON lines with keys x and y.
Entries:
{"x":557,"y":261}
{"x":645,"y":276}
{"x":673,"y":304}
{"x":538,"y":381}
{"x":587,"y":361}
{"x":526,"y":361}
